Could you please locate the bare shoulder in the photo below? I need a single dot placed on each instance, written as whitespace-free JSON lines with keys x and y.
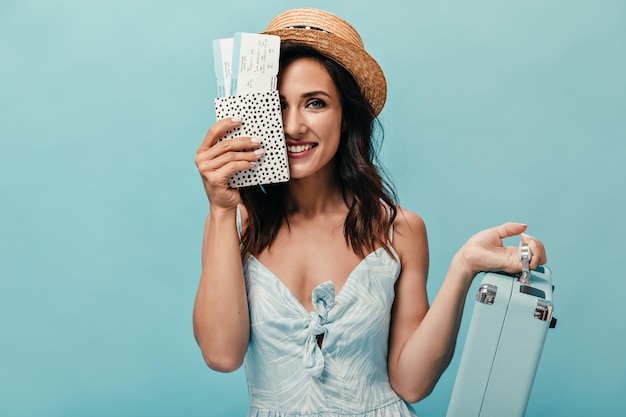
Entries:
{"x":409,"y":233}
{"x":407,"y":218}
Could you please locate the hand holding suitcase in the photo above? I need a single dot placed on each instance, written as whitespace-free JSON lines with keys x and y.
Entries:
{"x":504,"y":342}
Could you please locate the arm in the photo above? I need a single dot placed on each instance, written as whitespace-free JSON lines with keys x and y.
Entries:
{"x":221,"y":322}
{"x":423,"y":338}
{"x":220,"y":315}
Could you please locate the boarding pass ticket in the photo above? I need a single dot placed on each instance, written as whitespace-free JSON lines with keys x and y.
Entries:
{"x":246,"y":63}
{"x":223,"y":60}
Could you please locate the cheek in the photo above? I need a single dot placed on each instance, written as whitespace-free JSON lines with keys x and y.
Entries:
{"x":327,"y":129}
{"x":334,"y":128}
{"x":332,"y":138}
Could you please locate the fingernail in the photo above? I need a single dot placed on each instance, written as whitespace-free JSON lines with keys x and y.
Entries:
{"x":259,"y":151}
{"x":255,"y":139}
{"x":235,"y":119}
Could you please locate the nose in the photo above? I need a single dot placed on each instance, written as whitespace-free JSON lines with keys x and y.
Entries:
{"x":293,"y":123}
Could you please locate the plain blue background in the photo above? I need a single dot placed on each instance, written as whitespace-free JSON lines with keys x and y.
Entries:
{"x":497,"y":111}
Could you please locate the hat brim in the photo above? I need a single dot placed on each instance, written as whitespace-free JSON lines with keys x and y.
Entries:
{"x":359,"y":63}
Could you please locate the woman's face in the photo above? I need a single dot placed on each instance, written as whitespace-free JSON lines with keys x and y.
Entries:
{"x":312,"y":117}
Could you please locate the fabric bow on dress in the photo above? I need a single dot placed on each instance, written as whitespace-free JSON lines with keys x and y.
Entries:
{"x":323,"y":298}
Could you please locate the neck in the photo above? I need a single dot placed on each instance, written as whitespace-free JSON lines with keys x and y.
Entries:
{"x":315,"y":195}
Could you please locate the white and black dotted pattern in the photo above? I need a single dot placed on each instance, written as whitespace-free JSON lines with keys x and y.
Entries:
{"x":261,"y":116}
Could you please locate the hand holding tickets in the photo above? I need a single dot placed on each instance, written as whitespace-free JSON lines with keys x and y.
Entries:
{"x":246,"y":68}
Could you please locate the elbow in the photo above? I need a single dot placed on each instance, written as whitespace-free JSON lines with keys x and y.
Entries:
{"x":416,"y":391}
{"x":221,"y":352}
{"x":223,"y":362}
{"x":223,"y":356}
{"x":415,"y":388}
{"x":414,"y":395}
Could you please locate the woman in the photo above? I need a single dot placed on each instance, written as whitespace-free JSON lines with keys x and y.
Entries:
{"x":320,"y":283}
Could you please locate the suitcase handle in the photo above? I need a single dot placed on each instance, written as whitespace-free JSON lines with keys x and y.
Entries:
{"x":525,"y":255}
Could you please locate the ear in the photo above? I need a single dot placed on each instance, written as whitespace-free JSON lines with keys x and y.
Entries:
{"x":344,"y":125}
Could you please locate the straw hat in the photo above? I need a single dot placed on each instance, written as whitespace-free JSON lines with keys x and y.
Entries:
{"x":337,"y":39}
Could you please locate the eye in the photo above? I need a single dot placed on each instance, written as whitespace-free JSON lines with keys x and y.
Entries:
{"x":316,"y":103}
{"x":283,"y":105}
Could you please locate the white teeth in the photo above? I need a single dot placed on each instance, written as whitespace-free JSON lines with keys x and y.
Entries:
{"x":299,"y":148}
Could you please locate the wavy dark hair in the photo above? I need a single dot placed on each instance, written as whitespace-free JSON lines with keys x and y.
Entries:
{"x":371,"y":199}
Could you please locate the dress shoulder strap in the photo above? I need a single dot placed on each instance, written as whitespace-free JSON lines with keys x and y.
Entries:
{"x":239,"y":224}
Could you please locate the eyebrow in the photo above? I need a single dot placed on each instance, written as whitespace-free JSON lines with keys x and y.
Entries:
{"x":313,"y":94}
{"x":316,"y":93}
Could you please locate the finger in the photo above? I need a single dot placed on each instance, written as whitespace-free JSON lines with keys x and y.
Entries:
{"x":543,"y":259}
{"x":219,"y":178}
{"x":230,"y":160}
{"x":230,"y":150}
{"x":537,"y":250}
{"x":242,"y":143}
{"x":510,"y":229}
{"x":217,"y":131}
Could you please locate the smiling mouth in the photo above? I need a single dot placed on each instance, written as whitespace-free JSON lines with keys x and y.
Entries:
{"x":300,"y":148}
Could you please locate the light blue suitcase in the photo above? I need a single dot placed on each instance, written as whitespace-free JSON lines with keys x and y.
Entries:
{"x":504,"y":342}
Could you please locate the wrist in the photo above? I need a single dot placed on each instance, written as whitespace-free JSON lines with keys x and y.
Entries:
{"x":222,"y":213}
{"x":461,"y":266}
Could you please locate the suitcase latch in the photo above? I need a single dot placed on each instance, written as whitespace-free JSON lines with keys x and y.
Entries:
{"x":544,"y":310}
{"x":487,"y":294}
